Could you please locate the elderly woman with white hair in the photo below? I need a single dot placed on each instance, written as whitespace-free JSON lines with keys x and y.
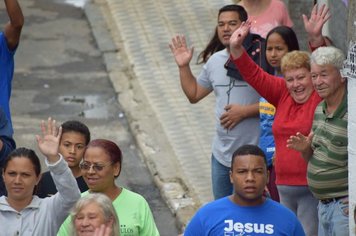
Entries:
{"x":94,"y":215}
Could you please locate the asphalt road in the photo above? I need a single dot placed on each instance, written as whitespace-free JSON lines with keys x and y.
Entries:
{"x":61,"y":73}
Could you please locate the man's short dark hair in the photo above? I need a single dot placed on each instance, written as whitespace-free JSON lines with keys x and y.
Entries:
{"x":76,"y":126}
{"x":236,"y":8}
{"x":248,"y":149}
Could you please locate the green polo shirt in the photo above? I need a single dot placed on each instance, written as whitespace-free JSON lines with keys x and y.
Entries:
{"x":328,"y":168}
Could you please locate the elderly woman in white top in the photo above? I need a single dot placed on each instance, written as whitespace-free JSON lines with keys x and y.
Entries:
{"x":21,"y":212}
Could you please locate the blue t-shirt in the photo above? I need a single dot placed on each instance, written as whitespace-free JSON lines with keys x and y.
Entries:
{"x":266,"y":142}
{"x":223,"y":217}
{"x":6,"y":74}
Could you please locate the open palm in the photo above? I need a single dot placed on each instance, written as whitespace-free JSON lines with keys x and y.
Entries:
{"x":48,"y":142}
{"x":182,"y":54}
{"x":314,"y":24}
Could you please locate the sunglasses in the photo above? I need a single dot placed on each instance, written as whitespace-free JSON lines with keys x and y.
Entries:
{"x":96,"y":167}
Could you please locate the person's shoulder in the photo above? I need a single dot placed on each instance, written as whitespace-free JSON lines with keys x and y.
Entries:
{"x":129,"y":198}
{"x":3,"y":199}
{"x":217,"y":55}
{"x":216,"y":204}
{"x":128,"y":193}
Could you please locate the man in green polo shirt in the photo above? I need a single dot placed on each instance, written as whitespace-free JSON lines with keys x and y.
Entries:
{"x":325,"y":148}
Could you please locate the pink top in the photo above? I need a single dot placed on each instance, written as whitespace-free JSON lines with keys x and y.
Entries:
{"x":275,"y":15}
{"x":290,"y":118}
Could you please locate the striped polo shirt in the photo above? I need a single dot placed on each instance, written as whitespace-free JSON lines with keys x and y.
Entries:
{"x":328,"y":168}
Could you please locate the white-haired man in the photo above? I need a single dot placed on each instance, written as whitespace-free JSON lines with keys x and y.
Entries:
{"x":325,"y":148}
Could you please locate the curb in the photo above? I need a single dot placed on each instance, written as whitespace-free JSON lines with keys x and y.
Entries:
{"x":147,"y":131}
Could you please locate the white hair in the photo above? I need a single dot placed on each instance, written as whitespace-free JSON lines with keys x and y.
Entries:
{"x":328,"y":56}
{"x":104,"y":202}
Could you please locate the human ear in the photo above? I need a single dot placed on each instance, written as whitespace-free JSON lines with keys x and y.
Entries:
{"x":39,"y":178}
{"x":117,"y":169}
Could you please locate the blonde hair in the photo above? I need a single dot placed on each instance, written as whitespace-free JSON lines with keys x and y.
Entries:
{"x":104,"y":202}
{"x":295,"y":60}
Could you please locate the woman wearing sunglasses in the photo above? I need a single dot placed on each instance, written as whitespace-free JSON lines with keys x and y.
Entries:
{"x":100,"y":167}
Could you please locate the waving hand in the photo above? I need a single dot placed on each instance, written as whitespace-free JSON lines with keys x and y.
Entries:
{"x":237,"y":39}
{"x":48,"y":143}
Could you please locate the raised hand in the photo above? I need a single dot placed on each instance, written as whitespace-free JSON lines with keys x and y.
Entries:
{"x":14,"y":26}
{"x":182,"y":54}
{"x":299,"y":142}
{"x":237,"y":39}
{"x":302,"y":144}
{"x":103,"y":230}
{"x":48,"y":143}
{"x":314,"y":24}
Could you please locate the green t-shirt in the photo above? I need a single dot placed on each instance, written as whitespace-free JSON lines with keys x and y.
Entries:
{"x":134,"y":215}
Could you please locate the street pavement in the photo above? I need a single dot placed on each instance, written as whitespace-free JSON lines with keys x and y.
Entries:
{"x":60,"y":72}
{"x":174,"y":135}
{"x":135,"y":69}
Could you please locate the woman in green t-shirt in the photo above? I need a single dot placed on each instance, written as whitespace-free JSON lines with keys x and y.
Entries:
{"x":100,"y":167}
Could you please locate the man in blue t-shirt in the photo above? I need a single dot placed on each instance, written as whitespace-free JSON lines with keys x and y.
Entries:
{"x":246,"y":211}
{"x":9,"y":40}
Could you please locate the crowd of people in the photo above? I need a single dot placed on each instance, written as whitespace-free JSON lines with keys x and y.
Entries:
{"x":302,"y":108}
{"x":279,"y":159}
{"x":78,"y":195}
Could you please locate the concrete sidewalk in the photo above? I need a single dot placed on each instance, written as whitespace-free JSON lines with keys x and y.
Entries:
{"x":174,"y":136}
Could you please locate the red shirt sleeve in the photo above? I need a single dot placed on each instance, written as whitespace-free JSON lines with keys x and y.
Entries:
{"x":270,"y":87}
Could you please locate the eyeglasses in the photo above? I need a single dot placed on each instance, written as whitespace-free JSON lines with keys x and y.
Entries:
{"x":96,"y":167}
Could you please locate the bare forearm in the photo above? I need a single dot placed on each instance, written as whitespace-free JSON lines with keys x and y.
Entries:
{"x":188,"y":83}
{"x":251,"y":110}
{"x":15,"y":13}
{"x":14,"y":26}
{"x":316,"y":41}
{"x":236,"y":52}
{"x":307,"y":154}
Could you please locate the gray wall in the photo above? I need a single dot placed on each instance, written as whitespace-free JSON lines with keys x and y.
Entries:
{"x":337,"y":25}
{"x":296,"y":9}
{"x":336,"y":28}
